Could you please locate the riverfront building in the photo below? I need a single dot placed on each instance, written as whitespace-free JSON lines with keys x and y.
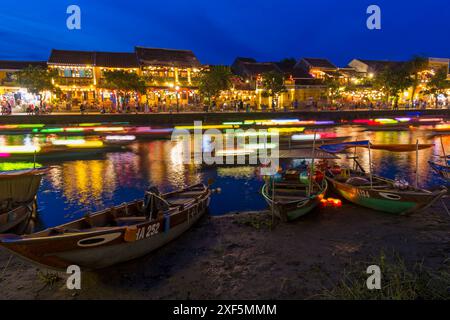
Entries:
{"x":172,"y":78}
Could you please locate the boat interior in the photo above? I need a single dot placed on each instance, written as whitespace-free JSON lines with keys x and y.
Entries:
{"x":153,"y":207}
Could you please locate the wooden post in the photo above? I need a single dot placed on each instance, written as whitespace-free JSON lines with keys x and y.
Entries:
{"x":312,"y":165}
{"x":370,"y":167}
{"x":273,"y":201}
{"x":443,"y":151}
{"x":417,"y":163}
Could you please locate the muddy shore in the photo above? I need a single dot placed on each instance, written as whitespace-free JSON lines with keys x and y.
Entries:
{"x":238,"y":256}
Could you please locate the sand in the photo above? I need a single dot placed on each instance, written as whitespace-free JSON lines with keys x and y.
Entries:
{"x":237,"y":256}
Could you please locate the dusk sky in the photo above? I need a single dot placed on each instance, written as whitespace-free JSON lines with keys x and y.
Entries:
{"x":218,"y":31}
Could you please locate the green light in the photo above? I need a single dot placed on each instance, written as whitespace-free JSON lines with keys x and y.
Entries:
{"x":232,"y":123}
{"x":30,"y":126}
{"x":52,"y":130}
{"x":10,"y":166}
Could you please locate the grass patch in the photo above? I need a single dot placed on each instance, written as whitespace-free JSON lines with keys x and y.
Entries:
{"x":49,"y":279}
{"x":256,"y":221}
{"x":398,"y":281}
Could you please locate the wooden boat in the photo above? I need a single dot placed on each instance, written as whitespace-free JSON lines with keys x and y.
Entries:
{"x":291,"y":197}
{"x":114,"y":235}
{"x":399,"y":147}
{"x":379,"y":193}
{"x":18,"y":191}
{"x":441,"y":169}
{"x":382,"y":194}
{"x":17,"y":217}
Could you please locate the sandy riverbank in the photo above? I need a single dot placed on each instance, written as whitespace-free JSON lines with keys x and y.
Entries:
{"x":239,"y":257}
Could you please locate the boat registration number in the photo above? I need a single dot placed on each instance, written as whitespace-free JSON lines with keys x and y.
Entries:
{"x":148,"y":231}
{"x":363,"y":193}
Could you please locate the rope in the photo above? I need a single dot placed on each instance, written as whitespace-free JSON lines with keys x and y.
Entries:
{"x":7,"y":264}
{"x":445,"y":206}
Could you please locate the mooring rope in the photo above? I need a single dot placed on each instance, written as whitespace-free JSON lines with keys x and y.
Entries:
{"x":445,"y":206}
{"x":7,"y":264}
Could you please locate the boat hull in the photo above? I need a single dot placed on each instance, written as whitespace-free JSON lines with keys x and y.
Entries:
{"x":102,"y":247}
{"x":294,"y":210}
{"x":389,"y":201}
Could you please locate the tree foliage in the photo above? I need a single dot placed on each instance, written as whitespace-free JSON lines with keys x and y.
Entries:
{"x":438,"y":83}
{"x":214,"y":81}
{"x":272,"y":84}
{"x":124,"y":81}
{"x":37,"y":80}
{"x":416,"y":65}
{"x":392,"y":81}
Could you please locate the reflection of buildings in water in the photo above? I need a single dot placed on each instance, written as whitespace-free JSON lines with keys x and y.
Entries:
{"x":162,"y":163}
{"x":83,"y":181}
{"x":236,"y":172}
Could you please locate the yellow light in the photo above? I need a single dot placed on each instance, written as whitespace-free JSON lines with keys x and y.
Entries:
{"x":87,"y":144}
{"x":106,"y":129}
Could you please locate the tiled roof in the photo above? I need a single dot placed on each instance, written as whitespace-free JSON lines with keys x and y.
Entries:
{"x":19,"y":65}
{"x":166,"y":57}
{"x":99,"y":59}
{"x":320,"y":63}
{"x":72,"y":57}
{"x":380,"y":65}
{"x":116,"y":60}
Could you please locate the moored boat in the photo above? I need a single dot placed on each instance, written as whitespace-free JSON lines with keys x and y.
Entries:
{"x":292,"y":196}
{"x":116,"y":234}
{"x":18,"y":191}
{"x":382,"y":194}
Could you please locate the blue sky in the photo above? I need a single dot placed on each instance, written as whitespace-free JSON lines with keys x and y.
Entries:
{"x":219,"y":30}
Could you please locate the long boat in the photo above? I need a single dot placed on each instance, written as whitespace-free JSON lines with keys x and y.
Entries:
{"x":114,"y":235}
{"x":292,"y":197}
{"x":18,"y":191}
{"x":380,"y":193}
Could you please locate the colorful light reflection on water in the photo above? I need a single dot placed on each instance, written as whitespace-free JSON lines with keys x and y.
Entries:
{"x":76,"y":187}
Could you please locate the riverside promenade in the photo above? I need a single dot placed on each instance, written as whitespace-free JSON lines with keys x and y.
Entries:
{"x":216,"y":117}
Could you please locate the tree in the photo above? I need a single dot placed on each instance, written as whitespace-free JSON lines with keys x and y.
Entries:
{"x":214,"y":81}
{"x":416,"y":65}
{"x":124,"y":82}
{"x":438,"y":84}
{"x":392,"y":81}
{"x":333,"y":87}
{"x":272,"y":84}
{"x":37,"y":80}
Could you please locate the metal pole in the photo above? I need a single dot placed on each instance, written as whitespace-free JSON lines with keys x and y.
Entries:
{"x":370,"y":167}
{"x":312,"y":165}
{"x":417,"y":163}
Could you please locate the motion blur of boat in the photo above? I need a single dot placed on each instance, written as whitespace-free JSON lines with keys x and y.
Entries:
{"x":376,"y":192}
{"x":442,"y":167}
{"x":117,"y":234}
{"x":18,"y":191}
{"x":60,"y":149}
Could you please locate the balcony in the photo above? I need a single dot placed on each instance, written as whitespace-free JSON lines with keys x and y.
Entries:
{"x":75,"y":81}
